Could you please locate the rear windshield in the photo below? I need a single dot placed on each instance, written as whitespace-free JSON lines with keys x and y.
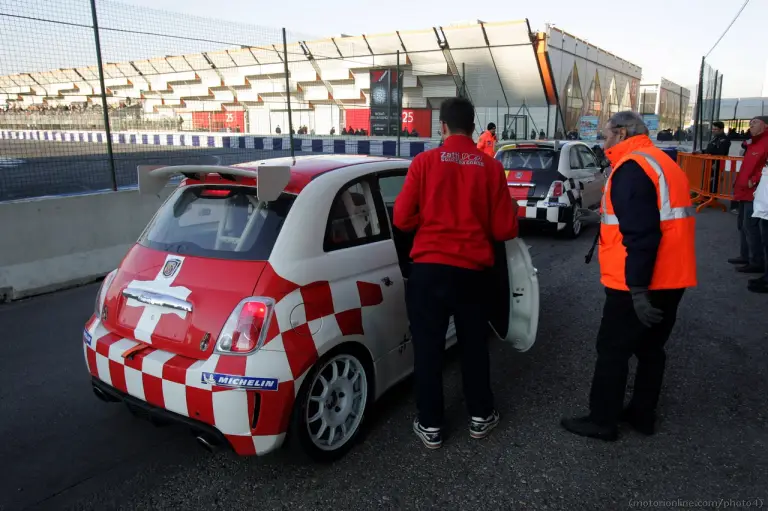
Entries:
{"x":225,"y":222}
{"x":528,"y":159}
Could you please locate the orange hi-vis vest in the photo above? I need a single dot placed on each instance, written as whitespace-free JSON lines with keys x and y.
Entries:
{"x":675,"y":266}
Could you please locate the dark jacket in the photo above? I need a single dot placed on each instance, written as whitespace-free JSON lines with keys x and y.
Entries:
{"x":718,"y":146}
{"x":635,"y":204}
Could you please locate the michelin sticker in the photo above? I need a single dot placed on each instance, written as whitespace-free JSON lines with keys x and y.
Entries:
{"x":87,"y":337}
{"x":243,"y":382}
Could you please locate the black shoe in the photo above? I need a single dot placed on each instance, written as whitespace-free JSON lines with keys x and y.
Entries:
{"x":585,"y":426}
{"x":751,"y":268}
{"x":758,"y":286}
{"x":738,"y":260}
{"x":642,"y":424}
{"x":431,"y":437}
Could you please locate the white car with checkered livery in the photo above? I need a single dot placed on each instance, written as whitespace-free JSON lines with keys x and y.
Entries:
{"x":265,"y":301}
{"x":553,"y":182}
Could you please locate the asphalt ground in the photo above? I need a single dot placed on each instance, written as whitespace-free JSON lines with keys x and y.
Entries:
{"x":64,"y":449}
{"x":39,"y":168}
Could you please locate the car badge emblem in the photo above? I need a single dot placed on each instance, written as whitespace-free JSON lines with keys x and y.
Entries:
{"x":170,"y":267}
{"x":518,"y":175}
{"x":204,"y":342}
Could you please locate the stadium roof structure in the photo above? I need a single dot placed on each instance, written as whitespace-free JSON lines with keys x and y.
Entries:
{"x":497,"y":62}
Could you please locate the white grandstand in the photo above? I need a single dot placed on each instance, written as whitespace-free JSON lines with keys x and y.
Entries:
{"x":521,"y":80}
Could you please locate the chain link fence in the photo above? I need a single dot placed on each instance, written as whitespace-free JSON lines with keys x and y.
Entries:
{"x":707,"y":107}
{"x":90,"y":89}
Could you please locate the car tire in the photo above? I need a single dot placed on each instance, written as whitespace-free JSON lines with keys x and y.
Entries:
{"x":315,"y":415}
{"x":573,"y":224}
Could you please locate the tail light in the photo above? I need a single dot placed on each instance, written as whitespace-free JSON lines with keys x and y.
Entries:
{"x":102,"y":294}
{"x":557,"y":189}
{"x":246,"y":328}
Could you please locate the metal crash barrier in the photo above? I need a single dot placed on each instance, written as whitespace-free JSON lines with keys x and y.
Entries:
{"x":711,"y":178}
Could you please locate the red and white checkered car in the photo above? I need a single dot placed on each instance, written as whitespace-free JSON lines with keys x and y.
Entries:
{"x":267,"y":299}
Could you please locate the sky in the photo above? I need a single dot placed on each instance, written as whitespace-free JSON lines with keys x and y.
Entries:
{"x":664,"y":37}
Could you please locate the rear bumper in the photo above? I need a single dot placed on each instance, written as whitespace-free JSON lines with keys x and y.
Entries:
{"x":156,"y":415}
{"x":542,"y":212}
{"x":164,"y":387}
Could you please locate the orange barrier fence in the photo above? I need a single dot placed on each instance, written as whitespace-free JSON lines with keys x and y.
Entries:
{"x":711,"y":178}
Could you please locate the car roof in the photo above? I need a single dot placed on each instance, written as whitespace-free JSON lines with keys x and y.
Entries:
{"x":306,"y":168}
{"x":555,"y":145}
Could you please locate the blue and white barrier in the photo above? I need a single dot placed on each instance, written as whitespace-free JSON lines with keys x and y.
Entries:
{"x":328,"y":145}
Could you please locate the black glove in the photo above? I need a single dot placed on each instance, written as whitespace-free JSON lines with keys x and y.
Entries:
{"x":646,"y":313}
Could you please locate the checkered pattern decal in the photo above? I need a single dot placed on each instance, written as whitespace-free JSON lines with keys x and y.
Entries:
{"x":546,"y":210}
{"x":306,"y":319}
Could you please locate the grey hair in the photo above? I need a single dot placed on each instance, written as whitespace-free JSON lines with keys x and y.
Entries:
{"x":629,"y":120}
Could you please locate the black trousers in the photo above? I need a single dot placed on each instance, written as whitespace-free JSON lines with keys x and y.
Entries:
{"x":622,"y":335}
{"x":435,"y":293}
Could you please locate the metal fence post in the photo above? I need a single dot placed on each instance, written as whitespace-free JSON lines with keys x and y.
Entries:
{"x":399,"y":104}
{"x":103,"y":95}
{"x":288,"y":90}
{"x":698,"y":108}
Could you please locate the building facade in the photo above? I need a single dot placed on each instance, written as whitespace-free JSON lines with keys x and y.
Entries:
{"x":667,"y":100}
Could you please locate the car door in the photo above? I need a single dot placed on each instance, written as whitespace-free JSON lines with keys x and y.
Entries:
{"x":593,"y":185}
{"x":514,"y":295}
{"x":369,"y":288}
{"x":400,"y":360}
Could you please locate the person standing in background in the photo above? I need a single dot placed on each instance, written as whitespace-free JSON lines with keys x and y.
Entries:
{"x":751,"y":258}
{"x":720,"y":145}
{"x":487,"y":141}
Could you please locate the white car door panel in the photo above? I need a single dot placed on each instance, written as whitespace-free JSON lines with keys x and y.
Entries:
{"x":516,"y":313}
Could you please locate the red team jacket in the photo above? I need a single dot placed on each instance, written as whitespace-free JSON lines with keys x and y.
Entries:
{"x":457,"y":198}
{"x":755,"y":157}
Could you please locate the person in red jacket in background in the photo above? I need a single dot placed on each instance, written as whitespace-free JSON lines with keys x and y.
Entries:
{"x":487,"y":141}
{"x":755,"y":156}
{"x":456,"y":199}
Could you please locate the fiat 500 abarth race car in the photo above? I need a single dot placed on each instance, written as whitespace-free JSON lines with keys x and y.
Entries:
{"x":553,"y":182}
{"x":266,"y":300}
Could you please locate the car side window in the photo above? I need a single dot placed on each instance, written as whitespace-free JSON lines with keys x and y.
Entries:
{"x":390,"y":187}
{"x":590,"y":162}
{"x":353,"y":219}
{"x":573,"y":158}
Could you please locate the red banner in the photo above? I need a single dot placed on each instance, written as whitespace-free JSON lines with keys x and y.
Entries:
{"x":419,"y":119}
{"x":233,"y":122}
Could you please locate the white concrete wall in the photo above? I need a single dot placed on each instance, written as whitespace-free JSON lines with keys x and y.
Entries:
{"x":52,"y":243}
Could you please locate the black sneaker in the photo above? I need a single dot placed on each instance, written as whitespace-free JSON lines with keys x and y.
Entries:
{"x":643,"y":424}
{"x":751,"y":268}
{"x":432,"y":437}
{"x":481,"y":427}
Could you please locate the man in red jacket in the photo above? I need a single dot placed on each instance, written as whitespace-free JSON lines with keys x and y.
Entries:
{"x":755,"y":157}
{"x":457,"y":200}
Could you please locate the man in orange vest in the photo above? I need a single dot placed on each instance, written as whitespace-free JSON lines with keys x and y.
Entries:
{"x":487,"y":141}
{"x":647,"y":260}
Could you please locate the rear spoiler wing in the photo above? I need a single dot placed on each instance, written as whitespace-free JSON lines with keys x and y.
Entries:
{"x":272,"y":179}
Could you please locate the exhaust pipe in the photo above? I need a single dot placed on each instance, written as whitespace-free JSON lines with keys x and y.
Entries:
{"x":101,"y":395}
{"x":206,"y":442}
